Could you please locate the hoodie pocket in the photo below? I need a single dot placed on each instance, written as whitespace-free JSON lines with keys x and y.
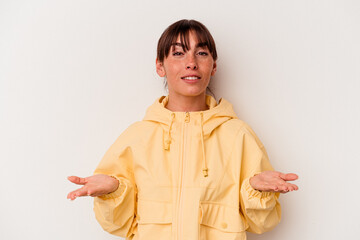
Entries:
{"x":218,"y":221}
{"x":154,"y":219}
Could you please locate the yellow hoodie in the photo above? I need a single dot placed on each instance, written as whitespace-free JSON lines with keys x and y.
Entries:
{"x":185,"y":176}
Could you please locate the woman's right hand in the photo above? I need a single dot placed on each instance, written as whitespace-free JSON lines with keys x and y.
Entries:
{"x":96,"y":185}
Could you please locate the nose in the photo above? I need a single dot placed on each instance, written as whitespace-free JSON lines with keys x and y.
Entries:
{"x":191,"y":63}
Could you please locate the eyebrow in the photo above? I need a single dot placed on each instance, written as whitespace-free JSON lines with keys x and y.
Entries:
{"x":177,"y":44}
{"x":201,"y":44}
{"x":198,"y":45}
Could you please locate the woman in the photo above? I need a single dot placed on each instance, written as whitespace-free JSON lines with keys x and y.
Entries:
{"x":190,"y":169}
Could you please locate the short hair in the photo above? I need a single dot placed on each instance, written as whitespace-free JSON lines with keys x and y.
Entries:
{"x":182,"y":28}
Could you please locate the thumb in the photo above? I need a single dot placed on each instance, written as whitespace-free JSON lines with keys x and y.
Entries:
{"x":77,"y":180}
{"x":289,"y":176}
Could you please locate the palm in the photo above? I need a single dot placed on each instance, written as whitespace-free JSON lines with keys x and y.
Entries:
{"x":272,"y":181}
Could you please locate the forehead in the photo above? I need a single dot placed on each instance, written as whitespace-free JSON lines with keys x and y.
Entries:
{"x":188,"y":40}
{"x":187,"y":36}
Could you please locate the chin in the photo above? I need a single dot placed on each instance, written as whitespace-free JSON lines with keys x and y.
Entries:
{"x":188,"y":91}
{"x":193,"y":94}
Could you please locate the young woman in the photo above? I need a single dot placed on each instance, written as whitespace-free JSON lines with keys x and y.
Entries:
{"x":190,"y":169}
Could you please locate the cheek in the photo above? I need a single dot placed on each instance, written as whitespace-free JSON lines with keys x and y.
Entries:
{"x":209,"y":65}
{"x":172,"y":70}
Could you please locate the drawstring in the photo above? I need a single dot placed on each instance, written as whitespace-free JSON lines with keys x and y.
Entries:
{"x":168,"y":140}
{"x":205,"y":169}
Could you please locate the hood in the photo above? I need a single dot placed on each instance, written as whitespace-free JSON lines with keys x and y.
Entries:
{"x":210,"y":119}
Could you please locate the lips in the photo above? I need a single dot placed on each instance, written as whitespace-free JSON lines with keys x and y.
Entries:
{"x":191,"y":78}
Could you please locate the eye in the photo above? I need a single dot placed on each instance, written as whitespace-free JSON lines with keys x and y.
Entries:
{"x":177,"y":53}
{"x":202,"y":53}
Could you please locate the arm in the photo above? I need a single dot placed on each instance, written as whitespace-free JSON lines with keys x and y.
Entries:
{"x":261,"y":209}
{"x":116,"y":211}
{"x":113,"y":188}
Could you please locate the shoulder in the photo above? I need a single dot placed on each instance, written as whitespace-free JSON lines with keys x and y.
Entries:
{"x":134,"y":129}
{"x":134,"y":133}
{"x":138,"y":126}
{"x":241,"y":129}
{"x":238,"y":126}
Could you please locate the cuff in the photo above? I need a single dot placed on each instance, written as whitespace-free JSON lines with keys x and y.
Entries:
{"x":253,"y":192}
{"x":118,"y":192}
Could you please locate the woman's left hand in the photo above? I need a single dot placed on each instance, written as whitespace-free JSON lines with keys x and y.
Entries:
{"x":273,"y":181}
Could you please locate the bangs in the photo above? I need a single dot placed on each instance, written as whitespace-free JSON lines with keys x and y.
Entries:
{"x":184,"y":34}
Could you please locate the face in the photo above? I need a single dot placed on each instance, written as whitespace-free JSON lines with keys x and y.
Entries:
{"x":187,"y":73}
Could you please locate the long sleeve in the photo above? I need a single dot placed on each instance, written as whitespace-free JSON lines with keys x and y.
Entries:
{"x":116,"y":211}
{"x":261,"y":209}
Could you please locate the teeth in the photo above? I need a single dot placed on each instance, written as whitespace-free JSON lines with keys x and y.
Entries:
{"x":191,"y":78}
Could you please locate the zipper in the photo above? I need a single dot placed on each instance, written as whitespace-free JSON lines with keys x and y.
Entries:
{"x":180,"y":213}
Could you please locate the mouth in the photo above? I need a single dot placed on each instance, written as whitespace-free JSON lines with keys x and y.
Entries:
{"x":191,"y":78}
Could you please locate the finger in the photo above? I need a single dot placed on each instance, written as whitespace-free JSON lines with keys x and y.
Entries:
{"x":289,"y":176}
{"x":72,"y":195}
{"x":290,"y":190}
{"x":82,"y":192}
{"x":77,"y":180}
{"x":277,"y":182}
{"x":288,"y":187}
{"x":272,"y":188}
{"x":283,"y":192}
{"x":78,"y":193}
{"x":281,"y":185}
{"x":68,"y":196}
{"x":293,"y":187}
{"x":280,"y":189}
{"x":283,"y":188}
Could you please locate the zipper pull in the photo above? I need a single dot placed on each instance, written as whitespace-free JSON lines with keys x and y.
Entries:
{"x":187,"y":117}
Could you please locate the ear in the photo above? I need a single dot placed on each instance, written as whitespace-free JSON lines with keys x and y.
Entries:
{"x":160,"y":68}
{"x":214,"y":69}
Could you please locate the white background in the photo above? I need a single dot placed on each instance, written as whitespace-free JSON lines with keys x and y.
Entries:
{"x":75,"y":73}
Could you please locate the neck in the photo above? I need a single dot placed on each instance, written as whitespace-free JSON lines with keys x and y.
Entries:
{"x":178,"y":103}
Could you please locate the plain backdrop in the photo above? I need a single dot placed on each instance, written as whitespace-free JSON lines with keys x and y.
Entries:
{"x":75,"y":73}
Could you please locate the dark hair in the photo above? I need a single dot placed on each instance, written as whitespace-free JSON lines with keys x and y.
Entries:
{"x":182,"y":29}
